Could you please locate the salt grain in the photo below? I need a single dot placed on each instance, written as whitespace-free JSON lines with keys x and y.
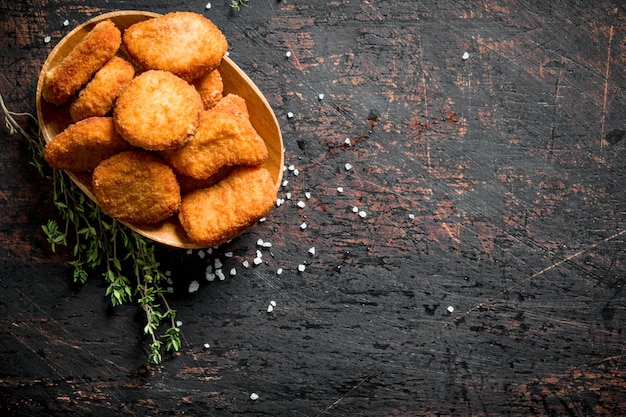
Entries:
{"x":355,"y":209}
{"x":270,"y":308}
{"x":279,"y":271}
{"x":362,"y":213}
{"x":257,"y":261}
{"x":47,"y":39}
{"x":179,"y":323}
{"x":193,"y":286}
{"x":189,"y":251}
{"x":168,"y":273}
{"x":411,"y":216}
{"x":320,"y":96}
{"x":348,"y":166}
{"x":347,"y":141}
{"x":210,"y":276}
{"x":312,"y":250}
{"x":220,"y":274}
{"x":301,"y":204}
{"x":259,"y":242}
{"x":288,"y":196}
{"x":233,"y":272}
{"x":206,"y":346}
{"x":307,"y":195}
{"x":303,"y":226}
{"x":246,"y":264}
{"x":66,"y":22}
{"x":267,"y":244}
{"x":201,"y":254}
{"x":340,"y":189}
{"x":301,"y":267}
{"x":296,"y":172}
{"x":259,"y":254}
{"x":291,"y":167}
{"x":254,"y":396}
{"x":262,"y":219}
{"x":228,"y":254}
{"x":285,"y":183}
{"x":170,"y":290}
{"x":217,"y":264}
{"x":288,"y":54}
{"x":208,"y":6}
{"x":289,"y":115}
{"x":465,"y":56}
{"x":450,"y":309}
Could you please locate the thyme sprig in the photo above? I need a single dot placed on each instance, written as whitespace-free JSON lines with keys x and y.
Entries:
{"x":102,"y":243}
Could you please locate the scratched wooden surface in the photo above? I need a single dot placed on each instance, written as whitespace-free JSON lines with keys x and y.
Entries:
{"x":485,"y":278}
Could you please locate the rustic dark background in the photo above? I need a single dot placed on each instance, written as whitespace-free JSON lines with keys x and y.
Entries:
{"x":486,"y":277}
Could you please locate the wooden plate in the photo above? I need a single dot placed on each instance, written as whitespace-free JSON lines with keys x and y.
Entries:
{"x":54,"y":119}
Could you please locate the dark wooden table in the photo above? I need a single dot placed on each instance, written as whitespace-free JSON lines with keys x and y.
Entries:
{"x":485,"y":275}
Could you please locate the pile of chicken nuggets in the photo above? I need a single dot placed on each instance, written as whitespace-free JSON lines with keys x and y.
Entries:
{"x":151,"y":123}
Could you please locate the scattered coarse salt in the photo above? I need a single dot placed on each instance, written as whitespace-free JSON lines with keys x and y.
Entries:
{"x":312,"y":250}
{"x":288,"y":54}
{"x":201,"y":254}
{"x":206,"y":346}
{"x":289,"y":115}
{"x":227,"y":53}
{"x":254,"y":396}
{"x":273,"y":303}
{"x":270,"y":308}
{"x":193,"y":286}
{"x":210,"y":276}
{"x":228,"y":254}
{"x":170,"y":290}
{"x":465,"y":56}
{"x":280,"y":202}
{"x":348,"y":166}
{"x":257,"y":261}
{"x":168,"y":273}
{"x":411,"y":216}
{"x":301,"y":267}
{"x":296,"y":172}
{"x":209,"y":251}
{"x":279,"y":271}
{"x":260,"y":242}
{"x":66,"y":22}
{"x":450,"y":309}
{"x":208,"y":6}
{"x":220,"y":274}
{"x":189,"y":251}
{"x":285,"y":183}
{"x":303,"y":225}
{"x":301,"y":204}
{"x":347,"y":141}
{"x":47,"y":39}
{"x":320,"y":96}
{"x":217,"y":263}
{"x":307,"y":195}
{"x":262,"y":219}
{"x":362,"y":213}
{"x":169,"y":281}
{"x":355,"y":209}
{"x":288,"y":196}
{"x":246,"y":264}
{"x":267,"y":244}
{"x":259,"y":254}
{"x":233,"y":272}
{"x":340,"y":189}
{"x":291,"y":167}
{"x":179,"y":323}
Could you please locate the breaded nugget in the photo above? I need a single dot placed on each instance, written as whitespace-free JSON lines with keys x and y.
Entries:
{"x":225,"y":137}
{"x":216,"y":214}
{"x":188,"y":184}
{"x":83,"y":145}
{"x":210,"y":87}
{"x":137,"y":187}
{"x":185,"y":43}
{"x":77,"y":68}
{"x":157,"y":111}
{"x":98,"y":96}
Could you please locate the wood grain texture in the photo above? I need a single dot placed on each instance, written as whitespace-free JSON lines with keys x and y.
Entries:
{"x":485,"y":278}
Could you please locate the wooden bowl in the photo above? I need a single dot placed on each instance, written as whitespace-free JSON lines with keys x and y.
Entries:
{"x":54,"y":119}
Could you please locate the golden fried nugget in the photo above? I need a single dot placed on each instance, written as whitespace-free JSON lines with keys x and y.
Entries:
{"x":210,"y":87}
{"x":76,"y":69}
{"x":188,"y":184}
{"x":83,"y":145}
{"x":98,"y":96}
{"x":225,"y":137}
{"x":157,"y":111}
{"x":185,"y":43}
{"x":213,"y":215}
{"x":137,"y":187}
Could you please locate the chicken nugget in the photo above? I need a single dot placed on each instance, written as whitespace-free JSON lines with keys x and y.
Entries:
{"x":98,"y":96}
{"x":157,"y":111}
{"x":185,"y":43}
{"x":76,"y":69}
{"x":213,"y":215}
{"x":137,"y":187}
{"x":225,"y":137}
{"x":210,"y":87}
{"x":83,"y":145}
{"x":188,"y":184}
